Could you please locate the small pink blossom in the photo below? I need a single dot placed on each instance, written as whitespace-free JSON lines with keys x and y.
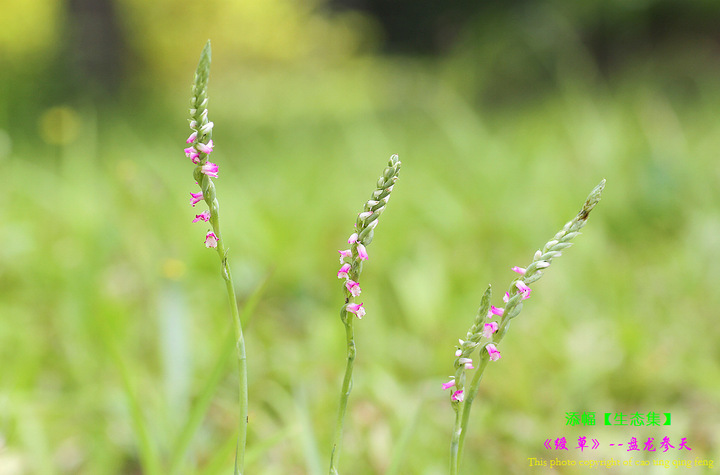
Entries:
{"x":506,"y":297}
{"x":353,"y":287}
{"x":364,"y":215}
{"x":353,"y":238}
{"x":489,"y":329}
{"x":458,"y":352}
{"x":524,"y":289}
{"x":458,"y":396}
{"x":519,"y":270}
{"x":192,"y":154}
{"x":204,"y":216}
{"x":356,"y":308}
{"x":495,"y":311}
{"x":210,"y":169}
{"x":343,"y":272}
{"x":467,"y":362}
{"x":205,"y":148}
{"x":192,"y":138}
{"x":449,"y":384}
{"x":195,"y":198}
{"x":344,"y":254}
{"x":493,"y":352}
{"x":211,"y":240}
{"x":362,"y":252}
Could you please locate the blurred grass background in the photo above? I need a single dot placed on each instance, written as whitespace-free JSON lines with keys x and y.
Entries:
{"x":505,"y":115}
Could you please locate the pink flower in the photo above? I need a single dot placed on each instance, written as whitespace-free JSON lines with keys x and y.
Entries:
{"x":449,"y":384}
{"x":364,"y":215}
{"x":195,"y":198}
{"x":192,"y":138}
{"x":489,"y":329}
{"x":458,"y":352}
{"x":519,"y":270}
{"x":495,"y":311}
{"x":192,"y":154}
{"x":211,"y":240}
{"x":458,"y":396}
{"x":467,"y":362}
{"x":210,"y":169}
{"x":204,"y":216}
{"x":343,"y":272}
{"x":493,"y":352}
{"x":524,"y":289}
{"x":353,"y":287}
{"x":506,"y":297}
{"x":356,"y":308}
{"x":205,"y":148}
{"x":362,"y":252}
{"x":353,"y":238}
{"x":344,"y":254}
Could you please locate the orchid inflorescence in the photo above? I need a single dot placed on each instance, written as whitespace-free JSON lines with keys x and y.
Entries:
{"x":485,"y":333}
{"x":351,"y":261}
{"x":200,"y":147}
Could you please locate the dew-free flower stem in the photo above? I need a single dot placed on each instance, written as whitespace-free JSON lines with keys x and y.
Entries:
{"x":351,"y":261}
{"x":201,"y":146}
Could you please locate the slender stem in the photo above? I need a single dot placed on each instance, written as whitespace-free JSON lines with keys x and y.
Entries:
{"x":242,"y":360}
{"x":467,"y":404}
{"x":456,"y":440}
{"x":345,"y":393}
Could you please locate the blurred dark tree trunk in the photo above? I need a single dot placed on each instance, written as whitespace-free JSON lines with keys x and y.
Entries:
{"x":95,"y":48}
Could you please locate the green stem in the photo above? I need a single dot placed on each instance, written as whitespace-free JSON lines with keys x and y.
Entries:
{"x":241,"y":357}
{"x":345,"y":393}
{"x":470,"y":394}
{"x":456,"y":440}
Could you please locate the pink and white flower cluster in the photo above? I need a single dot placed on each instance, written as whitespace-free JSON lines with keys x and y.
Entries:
{"x":353,"y":288}
{"x":198,"y":152}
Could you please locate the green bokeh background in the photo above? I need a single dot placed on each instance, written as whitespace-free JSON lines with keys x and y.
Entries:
{"x":114,"y":316}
